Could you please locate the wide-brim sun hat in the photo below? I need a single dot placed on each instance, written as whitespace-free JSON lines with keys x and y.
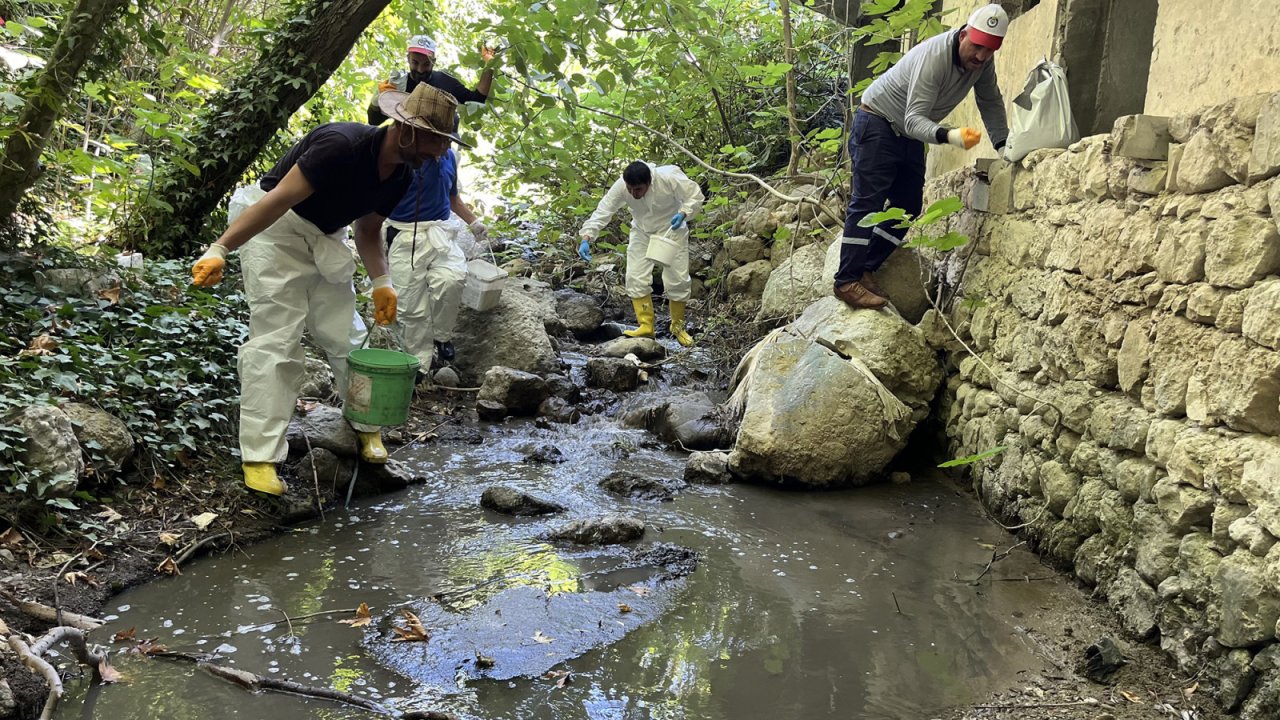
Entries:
{"x":426,"y":108}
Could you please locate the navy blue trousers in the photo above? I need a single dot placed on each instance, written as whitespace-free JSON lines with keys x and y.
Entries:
{"x":887,"y":167}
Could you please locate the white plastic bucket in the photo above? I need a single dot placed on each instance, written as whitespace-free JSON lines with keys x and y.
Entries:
{"x":662,"y":248}
{"x":483,"y":288}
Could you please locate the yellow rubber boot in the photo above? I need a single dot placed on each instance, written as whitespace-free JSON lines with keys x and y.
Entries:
{"x":262,"y":477}
{"x":644,"y":313}
{"x":677,"y":324}
{"x":371,"y":448}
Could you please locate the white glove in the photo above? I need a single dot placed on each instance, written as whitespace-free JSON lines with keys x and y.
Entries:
{"x":480,"y":232}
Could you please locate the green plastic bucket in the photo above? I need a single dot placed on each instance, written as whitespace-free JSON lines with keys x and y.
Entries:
{"x":380,"y":386}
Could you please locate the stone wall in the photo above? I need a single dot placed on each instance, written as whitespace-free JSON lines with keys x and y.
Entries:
{"x":1208,"y":52}
{"x":1123,"y":299}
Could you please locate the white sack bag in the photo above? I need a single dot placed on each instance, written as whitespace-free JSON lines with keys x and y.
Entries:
{"x":1041,"y":114}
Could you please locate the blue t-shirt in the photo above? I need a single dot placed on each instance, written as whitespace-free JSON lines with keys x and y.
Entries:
{"x":428,"y":195}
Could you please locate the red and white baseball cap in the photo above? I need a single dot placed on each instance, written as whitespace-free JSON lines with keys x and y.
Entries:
{"x":987,"y":26}
{"x":422,"y":45}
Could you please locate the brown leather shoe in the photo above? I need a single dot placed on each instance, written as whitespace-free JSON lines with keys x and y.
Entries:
{"x":869,"y":282}
{"x":857,"y":296}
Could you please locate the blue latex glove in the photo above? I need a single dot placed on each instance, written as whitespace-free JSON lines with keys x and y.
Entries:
{"x":584,"y":249}
{"x":677,"y":220}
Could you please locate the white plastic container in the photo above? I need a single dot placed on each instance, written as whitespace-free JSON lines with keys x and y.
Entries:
{"x":662,"y":248}
{"x":130,"y":261}
{"x":484,"y":285}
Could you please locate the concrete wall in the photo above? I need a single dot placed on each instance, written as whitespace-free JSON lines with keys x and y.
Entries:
{"x":1126,"y":323}
{"x":1207,"y":51}
{"x":1030,"y":38}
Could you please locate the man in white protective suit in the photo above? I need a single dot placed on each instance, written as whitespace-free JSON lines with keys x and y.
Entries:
{"x":297,"y":269}
{"x":662,"y":200}
{"x":428,"y":253}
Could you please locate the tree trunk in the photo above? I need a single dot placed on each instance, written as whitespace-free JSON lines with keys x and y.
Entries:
{"x":789,"y":57}
{"x":238,"y":123}
{"x":19,"y":166}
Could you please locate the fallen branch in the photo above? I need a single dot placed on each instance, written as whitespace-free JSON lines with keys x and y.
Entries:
{"x":296,"y":618}
{"x":193,"y":547}
{"x":50,"y":615}
{"x":31,"y":657}
{"x":258,"y":683}
{"x":995,"y":558}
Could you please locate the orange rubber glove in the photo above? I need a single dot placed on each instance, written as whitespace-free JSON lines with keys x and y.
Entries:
{"x":207,"y":271}
{"x":964,"y":138}
{"x":385,"y":86}
{"x":384,"y":300}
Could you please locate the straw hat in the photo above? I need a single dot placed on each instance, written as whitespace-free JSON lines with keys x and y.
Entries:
{"x":426,"y":108}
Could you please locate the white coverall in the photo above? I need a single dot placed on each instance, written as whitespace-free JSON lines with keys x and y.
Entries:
{"x":428,"y":280}
{"x":670,"y":192}
{"x":295,"y":276}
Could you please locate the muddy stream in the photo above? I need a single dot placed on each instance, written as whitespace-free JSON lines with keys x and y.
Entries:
{"x":853,"y":604}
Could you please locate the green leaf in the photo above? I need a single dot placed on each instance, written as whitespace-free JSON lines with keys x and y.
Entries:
{"x":940,"y":209}
{"x":873,"y":219}
{"x":970,"y":459}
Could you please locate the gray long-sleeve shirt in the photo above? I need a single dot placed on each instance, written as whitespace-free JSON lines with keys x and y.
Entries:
{"x":927,"y":84}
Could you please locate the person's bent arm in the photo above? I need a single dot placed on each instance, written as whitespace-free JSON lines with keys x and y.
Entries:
{"x":610,"y":204}
{"x":991,"y":106}
{"x":461,"y":209}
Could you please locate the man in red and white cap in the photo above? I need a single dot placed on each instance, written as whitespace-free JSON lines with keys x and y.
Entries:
{"x":899,"y":113}
{"x":422,"y":63}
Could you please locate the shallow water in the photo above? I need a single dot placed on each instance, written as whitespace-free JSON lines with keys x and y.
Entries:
{"x":853,"y":604}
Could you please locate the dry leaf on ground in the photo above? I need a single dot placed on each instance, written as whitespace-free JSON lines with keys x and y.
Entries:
{"x":623,"y":607}
{"x":168,"y":567}
{"x":414,"y":633}
{"x":110,"y":515}
{"x":4,"y":629}
{"x":108,"y":673}
{"x":76,"y":576}
{"x":169,"y":538}
{"x":538,"y":637}
{"x":111,"y":295}
{"x":362,"y":617}
{"x":125,"y":635}
{"x":11,"y":538}
{"x":1131,"y":697}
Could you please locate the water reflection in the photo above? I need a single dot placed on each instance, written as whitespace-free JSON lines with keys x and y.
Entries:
{"x":842,"y":605}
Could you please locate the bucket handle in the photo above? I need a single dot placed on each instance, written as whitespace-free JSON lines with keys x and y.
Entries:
{"x":395,"y":328}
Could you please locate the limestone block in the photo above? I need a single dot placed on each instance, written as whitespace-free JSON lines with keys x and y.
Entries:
{"x":1249,"y":604}
{"x":1154,"y":545}
{"x":1093,"y":168}
{"x":1024,"y":190}
{"x":1202,"y":167}
{"x":1235,"y":680}
{"x":796,"y":283}
{"x":1234,"y":143}
{"x":1149,"y":179}
{"x":1059,"y":486}
{"x":1180,"y":346}
{"x":1193,"y":450}
{"x":1137,"y":243}
{"x":1135,"y":602}
{"x":1241,"y":249}
{"x":1118,"y":177}
{"x":51,"y":447}
{"x":1205,"y":302}
{"x":1231,"y":312}
{"x":1000,"y":193}
{"x":1224,"y":471}
{"x":1264,"y":156}
{"x":1196,"y":566}
{"x":1162,"y":438}
{"x":743,"y":249}
{"x":1261,"y":322}
{"x":1226,"y":514}
{"x":1182,"y":506}
{"x":1248,"y":109}
{"x":1090,"y":459}
{"x":1180,"y":256}
{"x":1261,"y":489}
{"x":1182,"y":126}
{"x":1056,"y":180}
{"x":1134,"y":478}
{"x":757,"y":222}
{"x":1119,"y":424}
{"x":1141,"y":137}
{"x":1250,"y":535}
{"x":750,"y":279}
{"x":1241,"y":386}
{"x":1171,"y":170}
{"x":1132,"y":360}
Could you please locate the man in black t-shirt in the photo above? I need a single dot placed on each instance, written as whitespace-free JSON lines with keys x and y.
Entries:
{"x":422,"y":63}
{"x":297,"y":268}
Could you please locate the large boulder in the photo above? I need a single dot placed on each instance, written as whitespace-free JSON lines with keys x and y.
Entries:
{"x":108,"y":433}
{"x":687,"y":418}
{"x":750,"y":279}
{"x":642,"y":347}
{"x":323,"y":427}
{"x":519,"y":392}
{"x":831,"y":398}
{"x":52,"y":449}
{"x":511,"y":335}
{"x":900,"y":277}
{"x":795,"y":284}
{"x":613,"y":374}
{"x":580,"y":314}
